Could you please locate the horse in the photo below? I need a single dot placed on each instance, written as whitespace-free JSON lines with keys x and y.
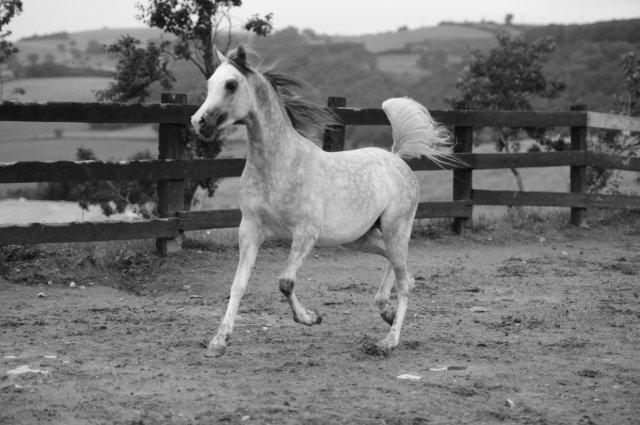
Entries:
{"x":290,"y":188}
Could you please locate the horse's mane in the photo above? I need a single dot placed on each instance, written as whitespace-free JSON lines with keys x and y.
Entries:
{"x":308,"y":118}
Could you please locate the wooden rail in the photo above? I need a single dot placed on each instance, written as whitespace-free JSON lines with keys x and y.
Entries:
{"x":171,"y":169}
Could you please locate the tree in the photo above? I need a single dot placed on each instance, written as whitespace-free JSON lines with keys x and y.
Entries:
{"x":508,"y":19}
{"x":112,"y":196}
{"x":137,"y":68}
{"x":617,"y":142}
{"x":196,"y":28}
{"x":199,"y":25}
{"x":8,"y":10}
{"x":508,"y":78}
{"x":94,"y":48}
{"x":33,"y":58}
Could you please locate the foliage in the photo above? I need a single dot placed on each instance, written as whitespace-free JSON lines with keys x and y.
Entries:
{"x":112,"y":196}
{"x":137,"y":68}
{"x":611,"y":141}
{"x":93,"y":48}
{"x":616,"y":30}
{"x":509,"y":75}
{"x":506,"y":79}
{"x":62,"y":35}
{"x":43,"y":70}
{"x":619,"y":142}
{"x":198,"y":25}
{"x":195,"y":27}
{"x":8,"y":10}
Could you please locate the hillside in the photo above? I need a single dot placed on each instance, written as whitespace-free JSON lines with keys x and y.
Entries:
{"x":382,"y":42}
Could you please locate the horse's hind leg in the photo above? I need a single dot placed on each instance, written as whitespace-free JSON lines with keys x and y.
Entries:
{"x":303,"y":241}
{"x":387,"y":310}
{"x":395,"y":234}
{"x":372,"y":242}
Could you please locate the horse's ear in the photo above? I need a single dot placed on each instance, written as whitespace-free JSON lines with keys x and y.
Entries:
{"x":239,"y":56}
{"x":221,"y":58}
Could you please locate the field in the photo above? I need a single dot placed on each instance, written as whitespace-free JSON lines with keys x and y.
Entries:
{"x":526,"y":324}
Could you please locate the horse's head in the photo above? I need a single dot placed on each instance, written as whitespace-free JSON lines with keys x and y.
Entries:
{"x":229,"y":97}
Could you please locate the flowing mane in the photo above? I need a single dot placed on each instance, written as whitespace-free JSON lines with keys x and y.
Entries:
{"x":308,"y":118}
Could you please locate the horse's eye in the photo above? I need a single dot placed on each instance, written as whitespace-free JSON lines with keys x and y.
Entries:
{"x":231,"y":86}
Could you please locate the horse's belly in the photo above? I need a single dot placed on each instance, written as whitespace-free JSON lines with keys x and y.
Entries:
{"x":345,"y":226}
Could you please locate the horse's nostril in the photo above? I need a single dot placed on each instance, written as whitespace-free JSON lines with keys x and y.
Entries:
{"x":201,"y":121}
{"x":221,"y":119}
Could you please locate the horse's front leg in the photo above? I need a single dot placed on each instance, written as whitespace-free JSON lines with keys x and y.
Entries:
{"x":250,"y":238}
{"x":303,"y":241}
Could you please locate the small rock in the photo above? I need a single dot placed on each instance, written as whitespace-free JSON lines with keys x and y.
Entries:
{"x":91,"y":283}
{"x":195,"y":296}
{"x":264,"y":328}
{"x":245,"y":418}
{"x":456,"y":367}
{"x":49,"y":282}
{"x":541,"y":239}
{"x":409,"y":377}
{"x":41,"y":295}
{"x":25,"y":369}
{"x":83,"y":287}
{"x":489,"y":239}
{"x":438,"y":369}
{"x":510,"y":403}
{"x":10,"y":356}
{"x":478,"y":309}
{"x":72,"y":285}
{"x":186,"y":287}
{"x":564,"y":253}
{"x":51,"y":357}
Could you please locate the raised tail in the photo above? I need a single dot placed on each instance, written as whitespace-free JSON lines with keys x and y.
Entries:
{"x":416,"y":133}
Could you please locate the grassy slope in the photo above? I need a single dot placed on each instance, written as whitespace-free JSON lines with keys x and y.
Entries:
{"x":396,"y":40}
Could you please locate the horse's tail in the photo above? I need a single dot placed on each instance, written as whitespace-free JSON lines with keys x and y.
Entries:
{"x":415,"y":133}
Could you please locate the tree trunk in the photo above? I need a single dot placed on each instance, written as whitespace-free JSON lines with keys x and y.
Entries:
{"x":207,"y":54}
{"x":515,"y":171}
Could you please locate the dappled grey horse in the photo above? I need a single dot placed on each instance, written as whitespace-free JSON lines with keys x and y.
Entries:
{"x":291,"y":188}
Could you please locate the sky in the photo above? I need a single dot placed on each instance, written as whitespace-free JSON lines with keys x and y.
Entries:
{"x":348,"y":17}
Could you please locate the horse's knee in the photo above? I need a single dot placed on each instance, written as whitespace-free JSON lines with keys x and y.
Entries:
{"x":286,"y":286}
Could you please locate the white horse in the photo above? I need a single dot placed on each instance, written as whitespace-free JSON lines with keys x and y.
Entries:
{"x":291,"y":188}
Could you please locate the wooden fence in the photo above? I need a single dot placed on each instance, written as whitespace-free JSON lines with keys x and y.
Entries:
{"x":171,"y":169}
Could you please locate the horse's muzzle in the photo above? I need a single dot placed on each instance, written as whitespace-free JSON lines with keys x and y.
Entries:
{"x":209,"y":123}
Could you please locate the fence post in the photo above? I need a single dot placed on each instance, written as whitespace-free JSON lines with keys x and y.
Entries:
{"x":578,"y":174}
{"x":333,"y":140}
{"x":172,"y":139}
{"x":462,"y":179}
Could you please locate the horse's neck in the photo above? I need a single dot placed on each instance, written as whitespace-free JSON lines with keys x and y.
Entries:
{"x":273,"y":142}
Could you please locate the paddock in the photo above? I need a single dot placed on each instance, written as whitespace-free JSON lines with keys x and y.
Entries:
{"x":535,"y":326}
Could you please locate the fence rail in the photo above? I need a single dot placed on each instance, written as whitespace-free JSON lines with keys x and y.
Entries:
{"x":171,"y":169}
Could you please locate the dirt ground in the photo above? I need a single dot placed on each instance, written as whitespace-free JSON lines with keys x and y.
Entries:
{"x":537,"y":328}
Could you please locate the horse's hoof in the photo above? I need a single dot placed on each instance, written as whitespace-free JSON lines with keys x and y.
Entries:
{"x":215,"y":350}
{"x":388,"y":312}
{"x":310,"y":318}
{"x":386,"y":346}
